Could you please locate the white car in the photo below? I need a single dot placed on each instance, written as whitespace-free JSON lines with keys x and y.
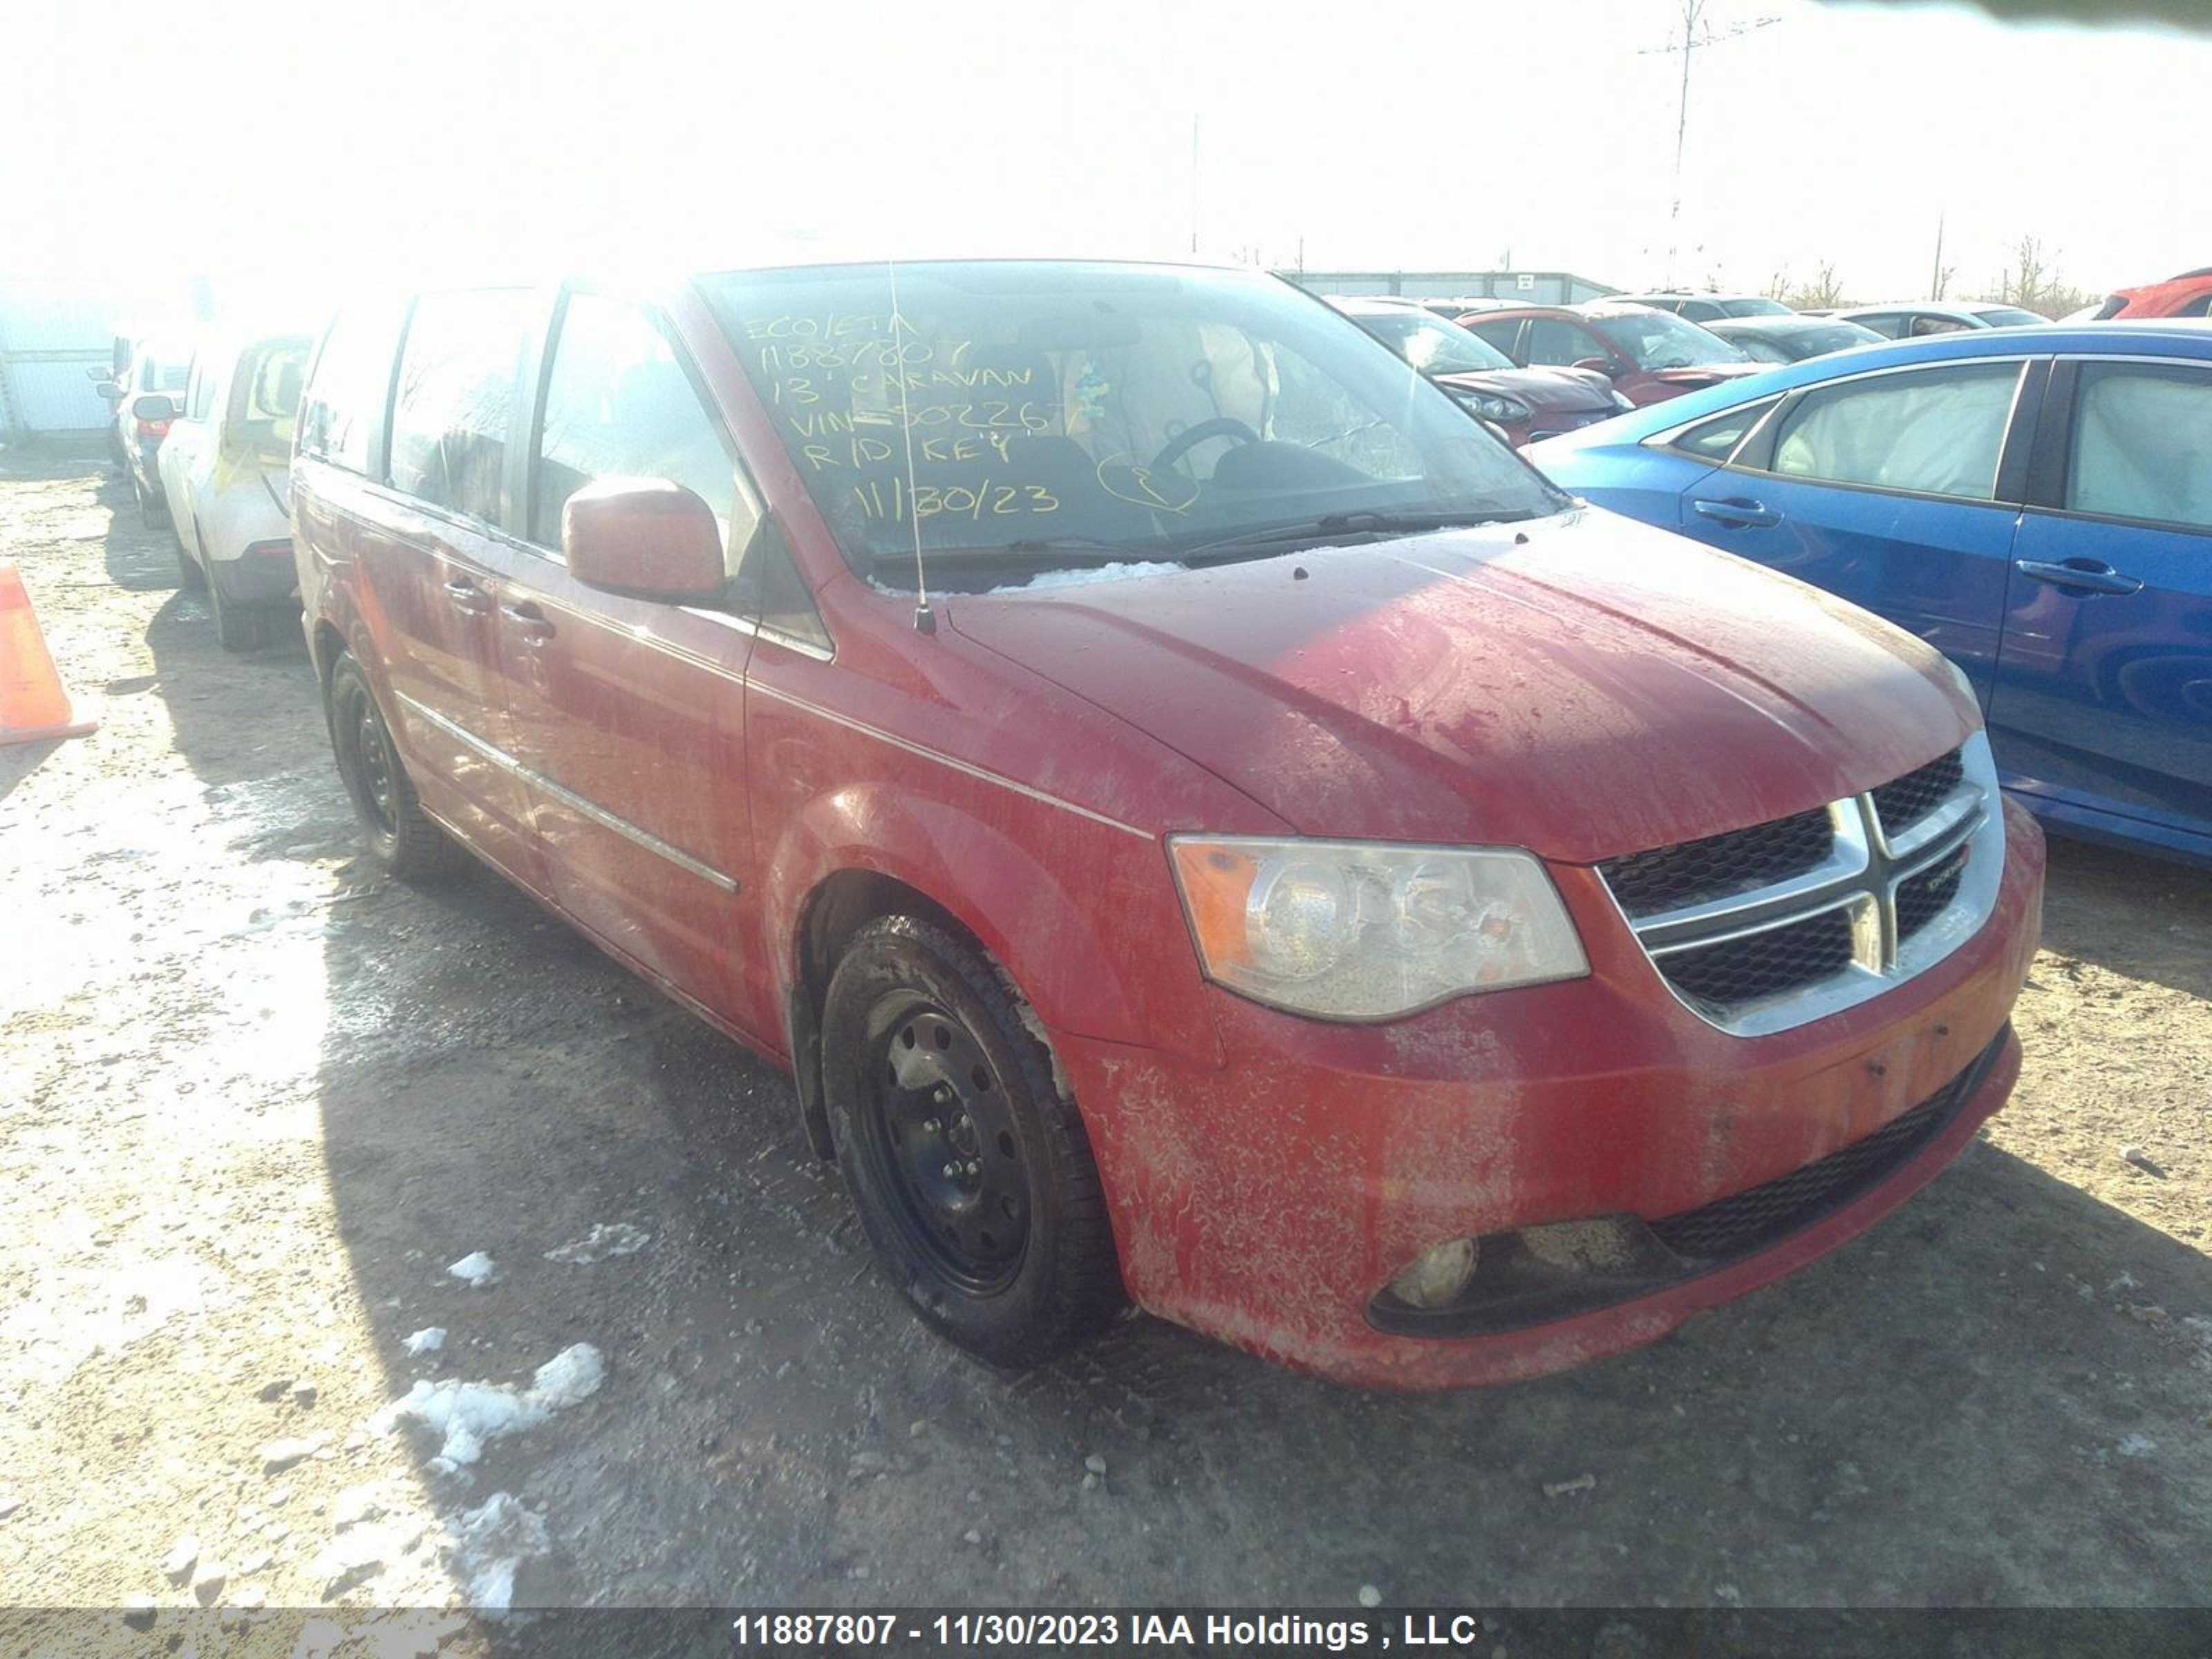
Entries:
{"x":1908,"y":319}
{"x":224,"y":468}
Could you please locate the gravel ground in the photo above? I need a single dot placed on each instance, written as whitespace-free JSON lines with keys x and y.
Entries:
{"x":254,"y":1101}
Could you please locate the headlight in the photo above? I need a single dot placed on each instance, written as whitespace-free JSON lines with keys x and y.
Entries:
{"x":1504,"y":411}
{"x":1363,"y":930}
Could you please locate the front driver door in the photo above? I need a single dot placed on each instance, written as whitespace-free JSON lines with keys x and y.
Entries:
{"x":1885,"y":488}
{"x":2104,"y":692}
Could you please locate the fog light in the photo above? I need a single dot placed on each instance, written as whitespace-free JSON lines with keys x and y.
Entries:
{"x":1436,"y":1276}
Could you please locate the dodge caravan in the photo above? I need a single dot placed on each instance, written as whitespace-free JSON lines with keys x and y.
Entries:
{"x":1203,"y":823}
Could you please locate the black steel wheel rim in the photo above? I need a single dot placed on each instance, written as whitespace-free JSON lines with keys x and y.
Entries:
{"x":374,"y":769}
{"x":939,"y":1132}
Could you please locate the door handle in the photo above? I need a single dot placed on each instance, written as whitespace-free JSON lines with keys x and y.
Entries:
{"x":529,"y":622}
{"x":1736,"y":513}
{"x":465,"y":597}
{"x":2084,"y":576}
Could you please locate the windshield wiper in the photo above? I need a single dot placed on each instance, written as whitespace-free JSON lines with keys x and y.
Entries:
{"x":1360,"y":521}
{"x":1081,"y":549}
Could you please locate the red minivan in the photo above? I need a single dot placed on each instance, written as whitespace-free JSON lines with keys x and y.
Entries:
{"x":1204,"y":823}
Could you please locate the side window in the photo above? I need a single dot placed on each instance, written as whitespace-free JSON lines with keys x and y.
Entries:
{"x":1698,"y":310}
{"x":1887,"y":324}
{"x":1551,"y":341}
{"x":618,"y":404}
{"x":456,"y":396}
{"x":1935,"y":431}
{"x":1925,"y":324}
{"x":778,"y":597}
{"x":1499,"y":334}
{"x":2138,"y":446}
{"x":1716,"y":440}
{"x":342,"y":411}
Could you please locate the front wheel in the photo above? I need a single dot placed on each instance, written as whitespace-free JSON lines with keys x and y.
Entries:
{"x":970,"y":1168}
{"x":401,"y":836}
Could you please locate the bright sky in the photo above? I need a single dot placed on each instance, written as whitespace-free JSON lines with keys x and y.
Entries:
{"x":309,"y":146}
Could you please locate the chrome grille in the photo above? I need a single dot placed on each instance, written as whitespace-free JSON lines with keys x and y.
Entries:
{"x":1760,"y":929}
{"x":1719,"y":865}
{"x":1907,"y":800}
{"x":1763,"y":964}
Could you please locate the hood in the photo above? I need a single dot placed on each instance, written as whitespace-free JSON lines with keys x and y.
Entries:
{"x":1583,"y":686}
{"x":1697,"y":374}
{"x":1565,"y":390}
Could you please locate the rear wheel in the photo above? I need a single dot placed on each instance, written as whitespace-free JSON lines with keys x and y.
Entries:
{"x":238,"y":626}
{"x":970,"y":1168}
{"x":401,"y":837}
{"x":153,"y":511}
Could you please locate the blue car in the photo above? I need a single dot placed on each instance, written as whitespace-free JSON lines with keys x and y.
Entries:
{"x":2035,"y":503}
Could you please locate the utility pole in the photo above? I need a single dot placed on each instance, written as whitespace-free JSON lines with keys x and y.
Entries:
{"x":1193,"y":185}
{"x":1693,"y":14}
{"x":1935,"y":281}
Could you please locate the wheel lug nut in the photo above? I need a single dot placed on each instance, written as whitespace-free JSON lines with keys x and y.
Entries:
{"x":952,"y":1171}
{"x":929,"y":1124}
{"x":974,"y":1166}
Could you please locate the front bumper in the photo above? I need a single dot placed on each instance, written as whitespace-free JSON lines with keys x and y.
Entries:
{"x":1268,"y":1201}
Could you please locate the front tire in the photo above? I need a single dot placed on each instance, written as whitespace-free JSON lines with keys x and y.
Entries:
{"x":970,"y":1168}
{"x":401,"y":837}
{"x":153,"y":510}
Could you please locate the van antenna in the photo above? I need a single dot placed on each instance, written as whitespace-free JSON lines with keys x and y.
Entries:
{"x":924,"y":619}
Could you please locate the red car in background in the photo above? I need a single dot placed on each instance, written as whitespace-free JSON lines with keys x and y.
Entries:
{"x":1525,"y":404}
{"x":2188,"y":294}
{"x":1649,"y":355}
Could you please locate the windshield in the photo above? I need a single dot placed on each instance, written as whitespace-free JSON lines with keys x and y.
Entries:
{"x":1659,"y":339}
{"x":1829,"y":337}
{"x":1432,"y":345}
{"x":1063,"y":414}
{"x":1753,"y":305}
{"x":2008,"y":316}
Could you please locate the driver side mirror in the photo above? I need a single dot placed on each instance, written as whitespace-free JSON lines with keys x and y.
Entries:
{"x":1595,"y":366}
{"x":646,"y":538}
{"x":154,"y":407}
{"x":107,"y":392}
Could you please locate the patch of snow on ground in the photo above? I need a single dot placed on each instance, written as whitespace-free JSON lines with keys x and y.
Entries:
{"x":603,"y":1241}
{"x":492,"y":1540}
{"x":476,"y":1268}
{"x":569,"y":1378}
{"x":467,"y":1414}
{"x":428,"y":1339}
{"x":1092,"y":572}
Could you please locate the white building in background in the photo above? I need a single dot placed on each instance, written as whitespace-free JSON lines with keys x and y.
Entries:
{"x":51,"y":332}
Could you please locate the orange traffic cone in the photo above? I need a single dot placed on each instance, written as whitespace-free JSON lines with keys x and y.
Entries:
{"x":33,"y":705}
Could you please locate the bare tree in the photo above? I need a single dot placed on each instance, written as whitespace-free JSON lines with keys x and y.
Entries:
{"x":1824,"y":292}
{"x":2033,"y":284}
